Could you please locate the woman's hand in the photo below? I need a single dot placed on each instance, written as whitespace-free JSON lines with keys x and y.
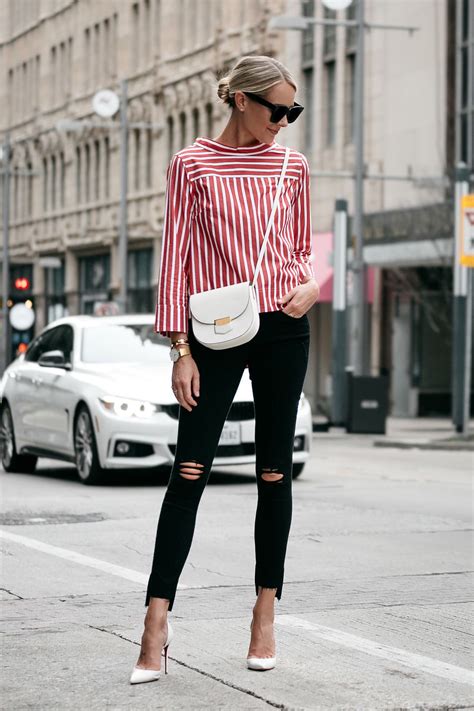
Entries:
{"x":185,"y":381}
{"x":300,"y":299}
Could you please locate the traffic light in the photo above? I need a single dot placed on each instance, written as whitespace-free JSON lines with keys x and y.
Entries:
{"x":22,"y":284}
{"x":21,"y":330}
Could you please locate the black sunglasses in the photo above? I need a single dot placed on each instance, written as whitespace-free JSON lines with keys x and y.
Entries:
{"x":278,"y":110}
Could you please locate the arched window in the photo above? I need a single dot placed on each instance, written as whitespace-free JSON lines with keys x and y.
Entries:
{"x":182,"y":129}
{"x":170,"y":132}
{"x":195,"y":123}
{"x":209,"y":122}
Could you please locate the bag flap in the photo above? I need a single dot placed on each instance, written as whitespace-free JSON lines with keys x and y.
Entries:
{"x":232,"y":301}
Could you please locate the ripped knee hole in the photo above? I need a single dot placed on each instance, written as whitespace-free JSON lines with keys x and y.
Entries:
{"x":272,"y":475}
{"x":192,"y":471}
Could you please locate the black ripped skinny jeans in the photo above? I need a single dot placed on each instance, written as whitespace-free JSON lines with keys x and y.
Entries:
{"x":277,"y":358}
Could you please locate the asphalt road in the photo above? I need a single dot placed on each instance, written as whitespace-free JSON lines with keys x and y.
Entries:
{"x":376,"y":611}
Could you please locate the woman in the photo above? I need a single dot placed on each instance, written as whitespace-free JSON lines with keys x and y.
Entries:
{"x":218,"y":200}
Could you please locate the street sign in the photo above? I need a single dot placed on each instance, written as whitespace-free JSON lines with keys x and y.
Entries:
{"x":50,"y":262}
{"x":467,"y":230}
{"x":105,"y":103}
{"x":21,"y":317}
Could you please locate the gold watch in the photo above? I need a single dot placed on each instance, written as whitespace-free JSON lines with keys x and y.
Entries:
{"x":177,"y":352}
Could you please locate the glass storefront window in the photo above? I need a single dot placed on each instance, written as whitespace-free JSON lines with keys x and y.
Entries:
{"x":94,"y":281}
{"x":140,"y":292}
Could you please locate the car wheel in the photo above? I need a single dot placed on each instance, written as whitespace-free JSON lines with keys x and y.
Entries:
{"x":11,"y":461}
{"x":85,"y":448}
{"x":297,"y":469}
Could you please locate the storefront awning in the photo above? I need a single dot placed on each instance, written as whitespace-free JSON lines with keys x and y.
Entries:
{"x":322,"y":253}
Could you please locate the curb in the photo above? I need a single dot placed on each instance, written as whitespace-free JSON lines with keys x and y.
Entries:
{"x":446,"y":445}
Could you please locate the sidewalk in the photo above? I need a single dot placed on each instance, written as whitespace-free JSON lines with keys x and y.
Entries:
{"x":407,"y":433}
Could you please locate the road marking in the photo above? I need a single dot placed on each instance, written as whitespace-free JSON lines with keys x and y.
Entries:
{"x":331,"y":634}
{"x":87,"y":560}
{"x":377,"y":649}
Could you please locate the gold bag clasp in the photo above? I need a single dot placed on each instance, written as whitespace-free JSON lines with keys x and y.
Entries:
{"x":222,"y":321}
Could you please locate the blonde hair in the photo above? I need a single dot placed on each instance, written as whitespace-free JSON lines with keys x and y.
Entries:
{"x":255,"y":73}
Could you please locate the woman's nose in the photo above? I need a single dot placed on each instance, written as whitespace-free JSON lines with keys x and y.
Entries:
{"x":283,"y":122}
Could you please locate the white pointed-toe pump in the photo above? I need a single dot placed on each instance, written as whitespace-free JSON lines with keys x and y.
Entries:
{"x":260,"y":663}
{"x":139,"y":675}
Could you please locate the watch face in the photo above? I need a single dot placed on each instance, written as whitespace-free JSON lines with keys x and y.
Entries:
{"x":174,"y":355}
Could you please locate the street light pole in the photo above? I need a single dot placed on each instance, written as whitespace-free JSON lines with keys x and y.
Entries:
{"x":282,"y":22}
{"x":123,"y":227}
{"x":358,"y":309}
{"x":6,"y":260}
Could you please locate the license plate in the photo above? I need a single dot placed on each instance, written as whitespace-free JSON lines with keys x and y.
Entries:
{"x":230,"y":433}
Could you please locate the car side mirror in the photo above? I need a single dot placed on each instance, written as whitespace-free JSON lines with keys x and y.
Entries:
{"x":54,"y":359}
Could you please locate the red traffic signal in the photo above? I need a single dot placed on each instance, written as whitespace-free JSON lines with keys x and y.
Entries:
{"x":22,"y":284}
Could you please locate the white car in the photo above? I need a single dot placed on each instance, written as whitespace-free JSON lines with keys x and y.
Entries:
{"x":96,"y":391}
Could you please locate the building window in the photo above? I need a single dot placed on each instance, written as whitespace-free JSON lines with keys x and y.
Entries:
{"x":307,"y":56}
{"x":137,"y":149}
{"x":140,"y":291}
{"x":149,"y":159}
{"x":53,"y":75}
{"x":135,"y":36}
{"x":53,"y":182}
{"x":465,"y":82}
{"x":147,"y":28}
{"x":87,"y":177}
{"x":62,"y":180}
{"x":107,"y":167}
{"x":87,"y":58}
{"x":308,"y":112}
{"x":195,"y":123}
{"x":78,"y":175}
{"x":97,"y":70}
{"x":209,"y":121}
{"x":94,"y":281}
{"x":329,"y":68}
{"x":349,"y":74}
{"x":30,"y":184}
{"x":170,"y":137}
{"x":45,"y":184}
{"x":182,"y":130}
{"x":308,"y":34}
{"x":330,"y":100}
{"x":54,"y":296}
{"x":96,"y":170}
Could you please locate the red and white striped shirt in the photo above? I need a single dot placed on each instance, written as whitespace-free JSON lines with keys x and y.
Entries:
{"x":218,"y":201}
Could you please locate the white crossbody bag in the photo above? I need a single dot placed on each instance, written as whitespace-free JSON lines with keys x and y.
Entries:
{"x":228,"y":316}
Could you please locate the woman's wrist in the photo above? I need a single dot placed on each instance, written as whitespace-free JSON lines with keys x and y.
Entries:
{"x":176,"y":336}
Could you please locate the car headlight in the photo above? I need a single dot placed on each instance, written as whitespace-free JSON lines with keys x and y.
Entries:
{"x":123,"y":407}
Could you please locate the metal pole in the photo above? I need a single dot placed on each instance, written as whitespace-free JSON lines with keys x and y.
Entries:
{"x":358,"y":314}
{"x":339,"y":375}
{"x":460,"y":305}
{"x":123,"y":233}
{"x":6,"y":260}
{"x":468,"y":357}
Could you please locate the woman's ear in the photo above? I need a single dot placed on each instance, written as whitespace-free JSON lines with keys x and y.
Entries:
{"x":240,"y":100}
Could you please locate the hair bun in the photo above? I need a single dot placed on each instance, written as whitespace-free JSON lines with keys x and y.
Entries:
{"x":223,"y":90}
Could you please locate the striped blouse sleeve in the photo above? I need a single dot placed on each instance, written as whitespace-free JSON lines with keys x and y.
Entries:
{"x":172,"y":289}
{"x":302,"y":224}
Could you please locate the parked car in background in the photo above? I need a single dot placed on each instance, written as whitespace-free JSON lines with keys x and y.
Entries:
{"x":96,"y":391}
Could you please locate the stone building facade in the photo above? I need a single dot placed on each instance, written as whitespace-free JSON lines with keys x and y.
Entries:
{"x":56,"y":54}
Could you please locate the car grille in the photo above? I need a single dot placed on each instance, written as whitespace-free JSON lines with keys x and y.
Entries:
{"x":238,"y":411}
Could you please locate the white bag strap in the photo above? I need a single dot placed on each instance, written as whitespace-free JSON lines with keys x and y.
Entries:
{"x":272,"y":214}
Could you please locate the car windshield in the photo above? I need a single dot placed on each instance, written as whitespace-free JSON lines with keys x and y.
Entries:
{"x":124,"y":343}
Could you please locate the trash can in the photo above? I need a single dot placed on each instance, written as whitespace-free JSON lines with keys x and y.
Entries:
{"x":367,"y":403}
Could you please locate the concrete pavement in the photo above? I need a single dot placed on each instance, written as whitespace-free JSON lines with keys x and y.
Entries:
{"x":376,"y":611}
